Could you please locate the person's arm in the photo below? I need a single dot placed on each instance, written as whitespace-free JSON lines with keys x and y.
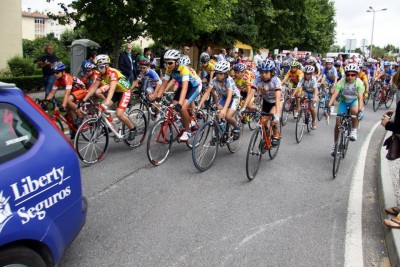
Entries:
{"x":227,"y":103}
{"x":92,"y":89}
{"x":204,"y":98}
{"x":250,"y":94}
{"x":395,"y":125}
{"x":113,"y":85}
{"x":185,"y":85}
{"x":134,"y":84}
{"x":278,"y":95}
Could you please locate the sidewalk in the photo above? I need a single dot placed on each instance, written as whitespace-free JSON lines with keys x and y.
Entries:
{"x":389,"y":196}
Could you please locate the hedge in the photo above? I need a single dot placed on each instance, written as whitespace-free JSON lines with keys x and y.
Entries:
{"x":25,"y":83}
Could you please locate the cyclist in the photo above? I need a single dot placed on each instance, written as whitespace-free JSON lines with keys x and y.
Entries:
{"x":308,"y":87}
{"x":74,"y":90}
{"x":329,"y":75}
{"x":118,"y":91}
{"x":293,"y":76}
{"x":206,"y":72}
{"x":317,"y":73}
{"x":189,"y":87}
{"x":243,"y":81}
{"x":228,"y":103}
{"x":148,"y":77}
{"x":339,"y":69}
{"x":351,"y":90}
{"x":386,"y":75}
{"x":269,"y":87}
{"x":364,"y":78}
{"x":90,"y":77}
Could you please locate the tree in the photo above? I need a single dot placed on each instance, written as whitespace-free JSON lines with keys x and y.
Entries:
{"x":109,"y":22}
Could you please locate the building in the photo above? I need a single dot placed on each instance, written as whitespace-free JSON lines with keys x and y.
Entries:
{"x":38,"y":24}
{"x":10,"y":31}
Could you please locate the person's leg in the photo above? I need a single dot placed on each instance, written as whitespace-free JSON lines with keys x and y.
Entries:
{"x":49,"y":86}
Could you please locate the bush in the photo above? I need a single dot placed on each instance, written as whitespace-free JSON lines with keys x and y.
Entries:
{"x":20,"y":66}
{"x":5,"y":72}
{"x":25,"y":83}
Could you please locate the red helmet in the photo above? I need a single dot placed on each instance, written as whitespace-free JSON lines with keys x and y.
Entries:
{"x":145,"y":62}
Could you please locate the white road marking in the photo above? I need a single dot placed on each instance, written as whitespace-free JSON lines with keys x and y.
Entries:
{"x":353,"y":245}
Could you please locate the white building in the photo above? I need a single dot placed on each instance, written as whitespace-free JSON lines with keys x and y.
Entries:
{"x":38,"y":24}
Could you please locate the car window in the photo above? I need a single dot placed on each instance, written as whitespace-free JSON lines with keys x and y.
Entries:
{"x":17,"y":133}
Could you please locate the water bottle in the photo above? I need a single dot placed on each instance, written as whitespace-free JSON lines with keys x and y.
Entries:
{"x":222,"y":125}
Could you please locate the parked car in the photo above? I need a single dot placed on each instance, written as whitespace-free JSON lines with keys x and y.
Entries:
{"x":42,"y":209}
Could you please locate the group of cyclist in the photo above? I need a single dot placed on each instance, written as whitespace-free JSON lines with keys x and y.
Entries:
{"x":231,"y":83}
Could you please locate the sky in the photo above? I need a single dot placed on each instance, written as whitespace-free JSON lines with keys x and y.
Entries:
{"x":353,"y":22}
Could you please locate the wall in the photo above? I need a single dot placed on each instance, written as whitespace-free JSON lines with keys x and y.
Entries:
{"x":28,"y":28}
{"x":10,"y":30}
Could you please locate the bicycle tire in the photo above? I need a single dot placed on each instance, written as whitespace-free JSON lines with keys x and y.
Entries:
{"x":59,"y":124}
{"x":160,"y":134}
{"x":308,"y":120}
{"x":300,"y":124}
{"x":273,"y":150}
{"x":346,"y":140}
{"x":389,"y":98}
{"x":91,"y":141}
{"x":234,"y":145}
{"x":376,"y":100}
{"x":254,"y":154}
{"x":321,"y":108}
{"x":285,"y":111}
{"x":209,"y":139}
{"x":146,"y":110}
{"x":338,"y":153}
{"x":199,"y":122}
{"x":139,"y":119}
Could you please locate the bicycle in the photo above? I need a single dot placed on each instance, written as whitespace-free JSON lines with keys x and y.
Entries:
{"x":92,"y":138}
{"x":342,"y":142}
{"x":381,"y":97}
{"x":324,"y":97}
{"x":210,"y":136}
{"x":162,"y":135}
{"x":260,"y":142}
{"x":289,"y":105}
{"x":304,"y":118}
{"x":252,"y":119}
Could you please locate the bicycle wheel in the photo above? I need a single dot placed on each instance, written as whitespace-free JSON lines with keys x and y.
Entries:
{"x":366,"y":99}
{"x":376,"y":100}
{"x":59,"y":124}
{"x":254,"y":119}
{"x":204,"y":154}
{"x":254,"y":153}
{"x":91,"y":141}
{"x":159,"y":142}
{"x":234,"y":145}
{"x":346,"y":140}
{"x":308,"y":120}
{"x":338,"y":153}
{"x":321,"y":108}
{"x":139,"y":119}
{"x":300,"y":124}
{"x":273,"y":150}
{"x":200,"y":120}
{"x":389,"y":98}
{"x":285,"y":111}
{"x":146,"y":110}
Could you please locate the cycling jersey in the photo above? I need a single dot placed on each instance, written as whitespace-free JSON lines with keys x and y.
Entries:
{"x":209,"y":68}
{"x":112,"y":74}
{"x":89,"y":80}
{"x":151,"y":76}
{"x":387,"y":74}
{"x":223,"y":89}
{"x":294,"y":77}
{"x":69,"y":83}
{"x":245,"y":82}
{"x":372,"y":69}
{"x":181,"y":74}
{"x":363,"y":77}
{"x":267,"y":89}
{"x":340,"y":73}
{"x":330,"y":74}
{"x":349,"y":91}
{"x":309,"y":85}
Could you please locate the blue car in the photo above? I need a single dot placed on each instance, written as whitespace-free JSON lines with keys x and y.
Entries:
{"x":42,"y":209}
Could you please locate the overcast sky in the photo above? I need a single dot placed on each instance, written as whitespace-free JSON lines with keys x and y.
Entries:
{"x":353,"y":22}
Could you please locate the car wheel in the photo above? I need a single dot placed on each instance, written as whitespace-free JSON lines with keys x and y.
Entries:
{"x":21,"y":256}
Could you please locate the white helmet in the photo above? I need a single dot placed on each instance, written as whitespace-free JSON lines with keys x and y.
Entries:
{"x":102,"y":59}
{"x":222,"y":66}
{"x":185,"y":61}
{"x":172,"y":54}
{"x":329,"y":60}
{"x":352,"y":67}
{"x":309,"y":69}
{"x":312,"y":60}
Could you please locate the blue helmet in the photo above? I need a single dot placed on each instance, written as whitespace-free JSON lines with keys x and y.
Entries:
{"x":239,"y":67}
{"x":267,"y":65}
{"x":387,"y":64}
{"x":89,"y":65}
{"x":59,"y":66}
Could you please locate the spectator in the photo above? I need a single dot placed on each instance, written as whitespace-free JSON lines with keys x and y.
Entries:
{"x":126,"y":63}
{"x":137,"y":64}
{"x":395,"y":128}
{"x":270,"y":56}
{"x":146,"y":54}
{"x":221,"y":56}
{"x":89,"y":59}
{"x":206,"y":51}
{"x":258,"y":57}
{"x":185,"y":50}
{"x":45,"y":63}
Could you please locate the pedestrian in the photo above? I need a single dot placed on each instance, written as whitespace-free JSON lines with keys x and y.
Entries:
{"x":45,"y":62}
{"x":185,"y":50}
{"x":146,"y":54}
{"x":126,"y":63}
{"x":394,"y":126}
{"x":258,"y":57}
{"x":222,"y":54}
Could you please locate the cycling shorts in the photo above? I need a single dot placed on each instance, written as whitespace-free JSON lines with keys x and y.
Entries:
{"x":191,"y":94}
{"x":233,"y":105}
{"x":267,"y":107}
{"x":310,"y":97}
{"x":79,"y":94}
{"x":123,"y":99}
{"x":344,"y":106}
{"x":104,"y":88}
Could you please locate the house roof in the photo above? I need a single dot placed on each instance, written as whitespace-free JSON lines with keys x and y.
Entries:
{"x":34,"y":15}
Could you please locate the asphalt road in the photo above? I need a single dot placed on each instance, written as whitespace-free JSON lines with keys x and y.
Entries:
{"x":292,"y":214}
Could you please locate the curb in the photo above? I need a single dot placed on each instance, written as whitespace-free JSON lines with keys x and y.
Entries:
{"x":387,"y":199}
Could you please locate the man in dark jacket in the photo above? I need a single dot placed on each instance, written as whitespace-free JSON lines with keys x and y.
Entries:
{"x":126,"y":63}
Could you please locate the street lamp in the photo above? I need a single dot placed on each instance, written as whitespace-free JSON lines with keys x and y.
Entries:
{"x":371,"y":9}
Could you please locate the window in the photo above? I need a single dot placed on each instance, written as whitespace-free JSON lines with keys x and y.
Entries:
{"x":39,"y":27}
{"x":17,"y":133}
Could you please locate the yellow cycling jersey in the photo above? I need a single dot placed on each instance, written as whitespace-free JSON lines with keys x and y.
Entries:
{"x":209,"y":68}
{"x":112,"y":74}
{"x":294,"y":77}
{"x":244,"y":83}
{"x":183,"y":73}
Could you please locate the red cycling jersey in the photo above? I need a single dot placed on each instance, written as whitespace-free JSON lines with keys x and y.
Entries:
{"x":69,"y":83}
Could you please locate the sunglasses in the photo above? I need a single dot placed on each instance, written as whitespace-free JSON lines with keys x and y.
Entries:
{"x":89,"y":70}
{"x":56,"y":72}
{"x":351,"y":75}
{"x":169,"y":63}
{"x":100,"y":67}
